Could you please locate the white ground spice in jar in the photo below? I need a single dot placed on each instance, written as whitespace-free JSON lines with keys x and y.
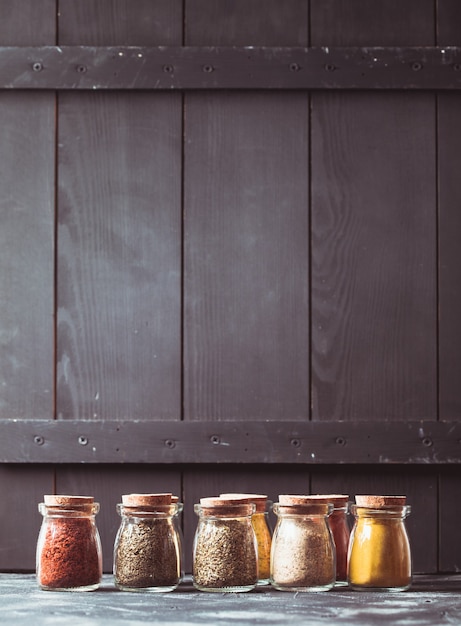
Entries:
{"x":303,"y":552}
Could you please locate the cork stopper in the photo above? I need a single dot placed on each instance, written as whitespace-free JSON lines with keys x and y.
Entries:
{"x":376,"y":502}
{"x":67,"y":501}
{"x":146,"y":499}
{"x":216,"y":505}
{"x":258,"y":499}
{"x":306,"y":504}
{"x":336,"y":499}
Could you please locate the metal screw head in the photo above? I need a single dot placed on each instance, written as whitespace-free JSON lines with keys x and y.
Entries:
{"x":215,"y":439}
{"x":416,"y":66}
{"x":427,"y":441}
{"x":341,"y":441}
{"x":295,"y":443}
{"x":81,"y":69}
{"x":330,"y":67}
{"x":37,"y":67}
{"x":208,"y":69}
{"x":83,"y":441}
{"x":170,"y":443}
{"x":168,"y":69}
{"x":39,"y":440}
{"x":294,"y":67}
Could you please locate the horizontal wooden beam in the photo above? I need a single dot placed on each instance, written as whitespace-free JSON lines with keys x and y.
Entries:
{"x":184,"y":68}
{"x":76,"y":441}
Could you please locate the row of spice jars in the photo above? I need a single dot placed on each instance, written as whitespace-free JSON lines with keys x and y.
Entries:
{"x":311,"y":550}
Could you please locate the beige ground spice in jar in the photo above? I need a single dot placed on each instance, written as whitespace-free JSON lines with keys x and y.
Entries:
{"x":303,"y":556}
{"x":147,"y":549}
{"x":262,"y":530}
{"x":225,"y":548}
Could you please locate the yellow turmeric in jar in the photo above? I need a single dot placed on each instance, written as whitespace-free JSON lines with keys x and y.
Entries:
{"x":379,"y":549}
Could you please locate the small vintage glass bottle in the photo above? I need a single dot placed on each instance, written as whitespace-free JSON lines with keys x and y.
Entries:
{"x":379,"y":550}
{"x":225,"y":552}
{"x":147,"y":549}
{"x":340,"y":530}
{"x":303,"y":552}
{"x":69,"y":555}
{"x":262,"y":530}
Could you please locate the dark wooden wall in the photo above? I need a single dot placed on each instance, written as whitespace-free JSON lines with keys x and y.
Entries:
{"x":216,"y":255}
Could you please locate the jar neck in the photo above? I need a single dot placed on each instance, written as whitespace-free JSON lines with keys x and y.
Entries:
{"x":84,"y":510}
{"x":385,"y":512}
{"x":166,"y":511}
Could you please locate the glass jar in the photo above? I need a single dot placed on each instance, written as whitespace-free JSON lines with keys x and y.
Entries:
{"x":379,"y":552}
{"x":340,"y":530}
{"x":303,"y":552}
{"x":69,"y":555}
{"x":260,"y":521}
{"x":225,"y":548}
{"x":147,"y":549}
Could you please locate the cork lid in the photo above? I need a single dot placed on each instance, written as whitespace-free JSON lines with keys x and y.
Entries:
{"x":379,"y":501}
{"x":67,"y":501}
{"x":302,"y":504}
{"x":336,"y":499}
{"x":216,"y":505}
{"x":258,"y":499}
{"x":146,"y":499}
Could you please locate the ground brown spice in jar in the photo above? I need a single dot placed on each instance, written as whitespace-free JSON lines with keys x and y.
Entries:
{"x":225,"y":550}
{"x":147,"y":551}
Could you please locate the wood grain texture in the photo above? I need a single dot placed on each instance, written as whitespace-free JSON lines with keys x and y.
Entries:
{"x":120,"y":22}
{"x":27,"y":22}
{"x":246,"y":23}
{"x":374,"y":257}
{"x":373,"y":229}
{"x":26,"y":255}
{"x":107,"y":484}
{"x":420,"y":485}
{"x":119,"y":245}
{"x":377,"y":23}
{"x":449,"y":153}
{"x":448,"y":20}
{"x":449,"y":515}
{"x":246,"y":257}
{"x":22,"y":488}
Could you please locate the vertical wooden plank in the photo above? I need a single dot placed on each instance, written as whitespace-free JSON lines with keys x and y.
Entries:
{"x":28,"y":22}
{"x":119,"y":238}
{"x":246,"y":23}
{"x":419,"y":484}
{"x":22,"y":488}
{"x":26,"y":255}
{"x":246,"y":232}
{"x":107,"y":484}
{"x":246,"y":238}
{"x":377,"y":23}
{"x":27,"y":151}
{"x":449,"y":154}
{"x":373,"y":233}
{"x":119,"y":256}
{"x":120,"y":22}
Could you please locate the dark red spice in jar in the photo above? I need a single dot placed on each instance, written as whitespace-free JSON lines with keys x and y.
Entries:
{"x":69,"y":555}
{"x":340,"y":530}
